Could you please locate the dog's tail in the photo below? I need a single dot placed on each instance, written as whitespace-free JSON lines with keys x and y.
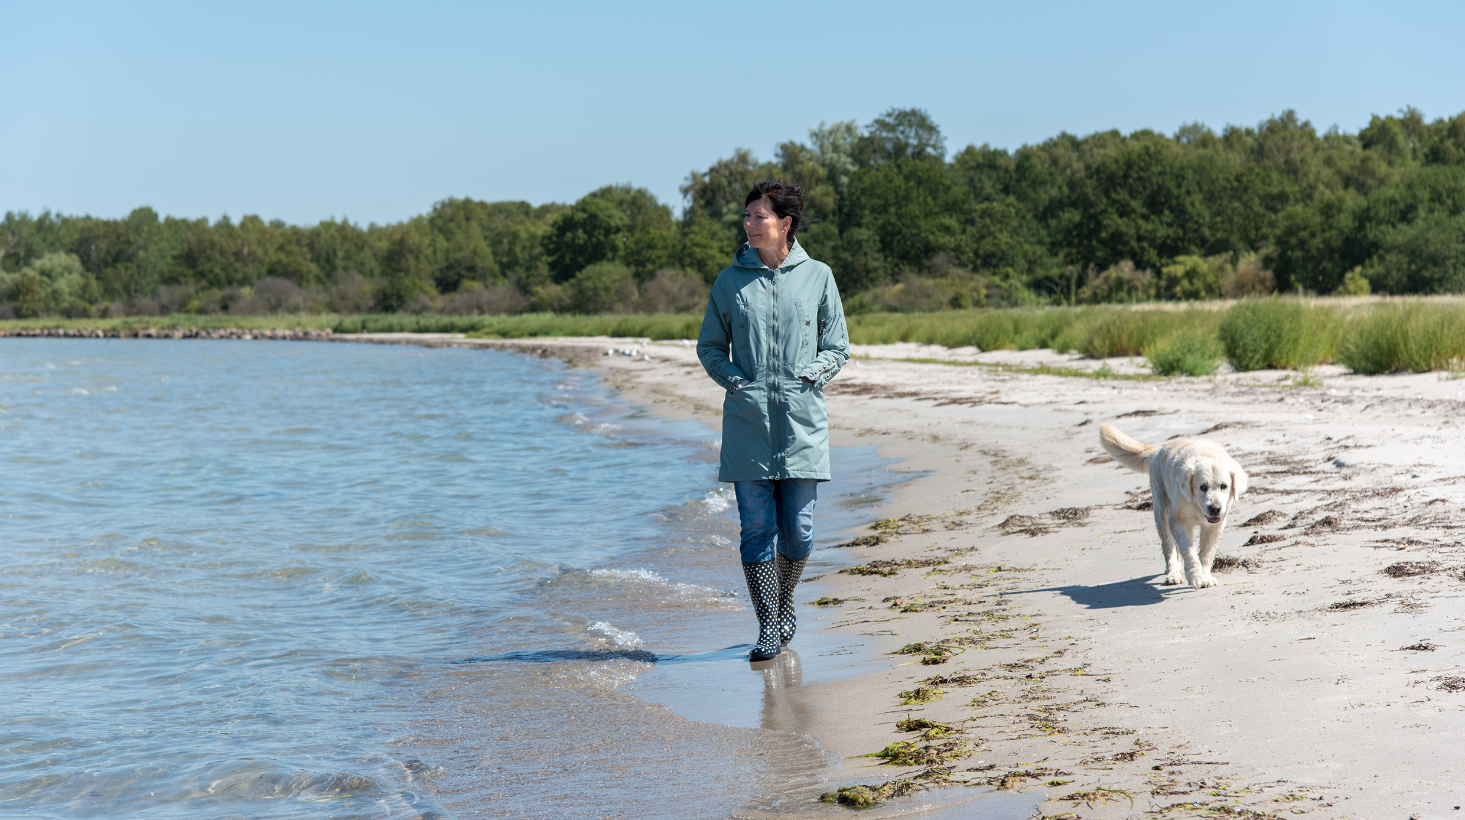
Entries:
{"x":1126,"y":450}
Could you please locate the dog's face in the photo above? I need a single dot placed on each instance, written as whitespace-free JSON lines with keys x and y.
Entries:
{"x":1215,"y":485}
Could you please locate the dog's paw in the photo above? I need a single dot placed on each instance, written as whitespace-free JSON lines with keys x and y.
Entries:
{"x":1174,"y":579}
{"x":1203,"y":582}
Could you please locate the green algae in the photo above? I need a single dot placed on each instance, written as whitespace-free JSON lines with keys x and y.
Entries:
{"x":920,"y":694}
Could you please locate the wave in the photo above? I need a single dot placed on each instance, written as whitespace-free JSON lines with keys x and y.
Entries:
{"x":583,"y":422}
{"x":675,"y":590}
{"x":623,"y":638}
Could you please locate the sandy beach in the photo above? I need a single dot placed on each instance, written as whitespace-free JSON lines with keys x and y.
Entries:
{"x":1016,"y":585}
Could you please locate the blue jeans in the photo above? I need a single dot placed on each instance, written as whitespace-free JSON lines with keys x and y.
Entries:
{"x":777,"y":515}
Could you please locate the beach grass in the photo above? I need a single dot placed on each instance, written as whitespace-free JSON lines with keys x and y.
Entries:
{"x":1280,"y":333}
{"x":1289,"y":333}
{"x":1415,"y":337}
{"x":1187,"y":353}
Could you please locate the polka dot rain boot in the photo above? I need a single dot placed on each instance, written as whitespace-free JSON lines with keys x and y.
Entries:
{"x":788,"y":579}
{"x":763,"y":589}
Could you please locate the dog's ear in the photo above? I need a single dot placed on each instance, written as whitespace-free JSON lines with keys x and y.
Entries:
{"x":1190,"y":487}
{"x":1238,"y":480}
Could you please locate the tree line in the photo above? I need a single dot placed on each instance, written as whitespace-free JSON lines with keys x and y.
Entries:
{"x":1107,"y":217}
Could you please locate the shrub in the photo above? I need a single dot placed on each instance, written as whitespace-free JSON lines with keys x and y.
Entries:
{"x":474,"y":298}
{"x":604,"y":287}
{"x":1248,"y":278}
{"x":1186,"y":353}
{"x":672,"y":291}
{"x":1120,"y":283}
{"x":1279,"y":333}
{"x":1193,"y":277}
{"x":1354,"y":284}
{"x":1414,"y":337}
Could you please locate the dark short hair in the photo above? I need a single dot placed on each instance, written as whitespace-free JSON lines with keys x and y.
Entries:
{"x":787,"y":201}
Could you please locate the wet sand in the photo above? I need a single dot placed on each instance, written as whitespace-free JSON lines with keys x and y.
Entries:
{"x":1324,"y":676}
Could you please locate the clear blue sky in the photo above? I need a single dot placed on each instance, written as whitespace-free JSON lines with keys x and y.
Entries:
{"x":373,"y":111}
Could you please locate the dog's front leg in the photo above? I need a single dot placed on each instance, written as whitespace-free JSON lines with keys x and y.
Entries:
{"x":1187,"y":547}
{"x":1173,"y":575}
{"x":1210,"y":536}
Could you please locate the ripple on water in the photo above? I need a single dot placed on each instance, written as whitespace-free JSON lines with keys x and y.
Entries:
{"x":314,"y":580}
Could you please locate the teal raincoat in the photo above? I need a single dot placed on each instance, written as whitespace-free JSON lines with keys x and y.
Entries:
{"x":774,"y":328}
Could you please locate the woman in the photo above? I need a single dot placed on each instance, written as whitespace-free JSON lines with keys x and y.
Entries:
{"x":773,"y":336}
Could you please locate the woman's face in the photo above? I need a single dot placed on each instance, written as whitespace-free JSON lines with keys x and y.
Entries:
{"x":765,"y":229}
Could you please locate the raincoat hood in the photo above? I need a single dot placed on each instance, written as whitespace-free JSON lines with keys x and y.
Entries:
{"x":746,"y":257}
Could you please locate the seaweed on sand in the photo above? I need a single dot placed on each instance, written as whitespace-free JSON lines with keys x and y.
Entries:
{"x":890,"y":569}
{"x":1099,"y":795}
{"x":911,"y":753}
{"x":1226,"y":563}
{"x":1013,"y":780}
{"x":863,"y":797}
{"x":1409,"y":569}
{"x":935,"y":653}
{"x":920,"y":694}
{"x":930,"y":729}
{"x":1357,"y":603}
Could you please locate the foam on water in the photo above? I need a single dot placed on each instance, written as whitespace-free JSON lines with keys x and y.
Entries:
{"x":720,"y":500}
{"x":666,"y":589}
{"x":620,"y":636}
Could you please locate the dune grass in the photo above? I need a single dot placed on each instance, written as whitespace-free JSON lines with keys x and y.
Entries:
{"x":1413,"y":335}
{"x":1279,"y":333}
{"x":1187,"y":353}
{"x":526,"y":325}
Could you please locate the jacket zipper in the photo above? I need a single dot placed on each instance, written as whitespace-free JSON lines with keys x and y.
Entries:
{"x":775,"y":395}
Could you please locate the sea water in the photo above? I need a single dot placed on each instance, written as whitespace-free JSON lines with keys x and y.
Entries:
{"x":295,"y":579}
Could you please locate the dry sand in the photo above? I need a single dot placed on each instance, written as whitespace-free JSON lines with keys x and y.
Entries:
{"x":1324,"y":676}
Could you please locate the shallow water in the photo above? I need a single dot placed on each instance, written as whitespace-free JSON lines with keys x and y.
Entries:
{"x":275,"y":579}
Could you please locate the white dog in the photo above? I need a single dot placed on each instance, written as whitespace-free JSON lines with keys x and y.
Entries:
{"x":1194,"y":484}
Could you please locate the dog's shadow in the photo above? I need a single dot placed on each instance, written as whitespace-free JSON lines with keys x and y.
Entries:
{"x":1134,"y":592}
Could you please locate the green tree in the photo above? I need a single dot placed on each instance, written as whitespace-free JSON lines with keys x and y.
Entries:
{"x":1426,"y":255}
{"x":408,"y":267}
{"x":604,"y":287}
{"x":29,"y":297}
{"x":717,"y":194}
{"x":913,"y":206}
{"x":705,"y":248}
{"x":591,"y":231}
{"x":649,"y":251}
{"x":642,"y":209}
{"x":1309,"y":253}
{"x":900,"y":134}
{"x":834,"y":145}
{"x":466,"y":255}
{"x":1147,"y":201}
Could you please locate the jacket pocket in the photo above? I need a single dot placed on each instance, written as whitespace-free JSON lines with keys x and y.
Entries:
{"x":742,"y":330}
{"x":805,"y":332}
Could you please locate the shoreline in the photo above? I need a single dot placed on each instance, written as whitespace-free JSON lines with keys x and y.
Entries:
{"x":1322,"y":677}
